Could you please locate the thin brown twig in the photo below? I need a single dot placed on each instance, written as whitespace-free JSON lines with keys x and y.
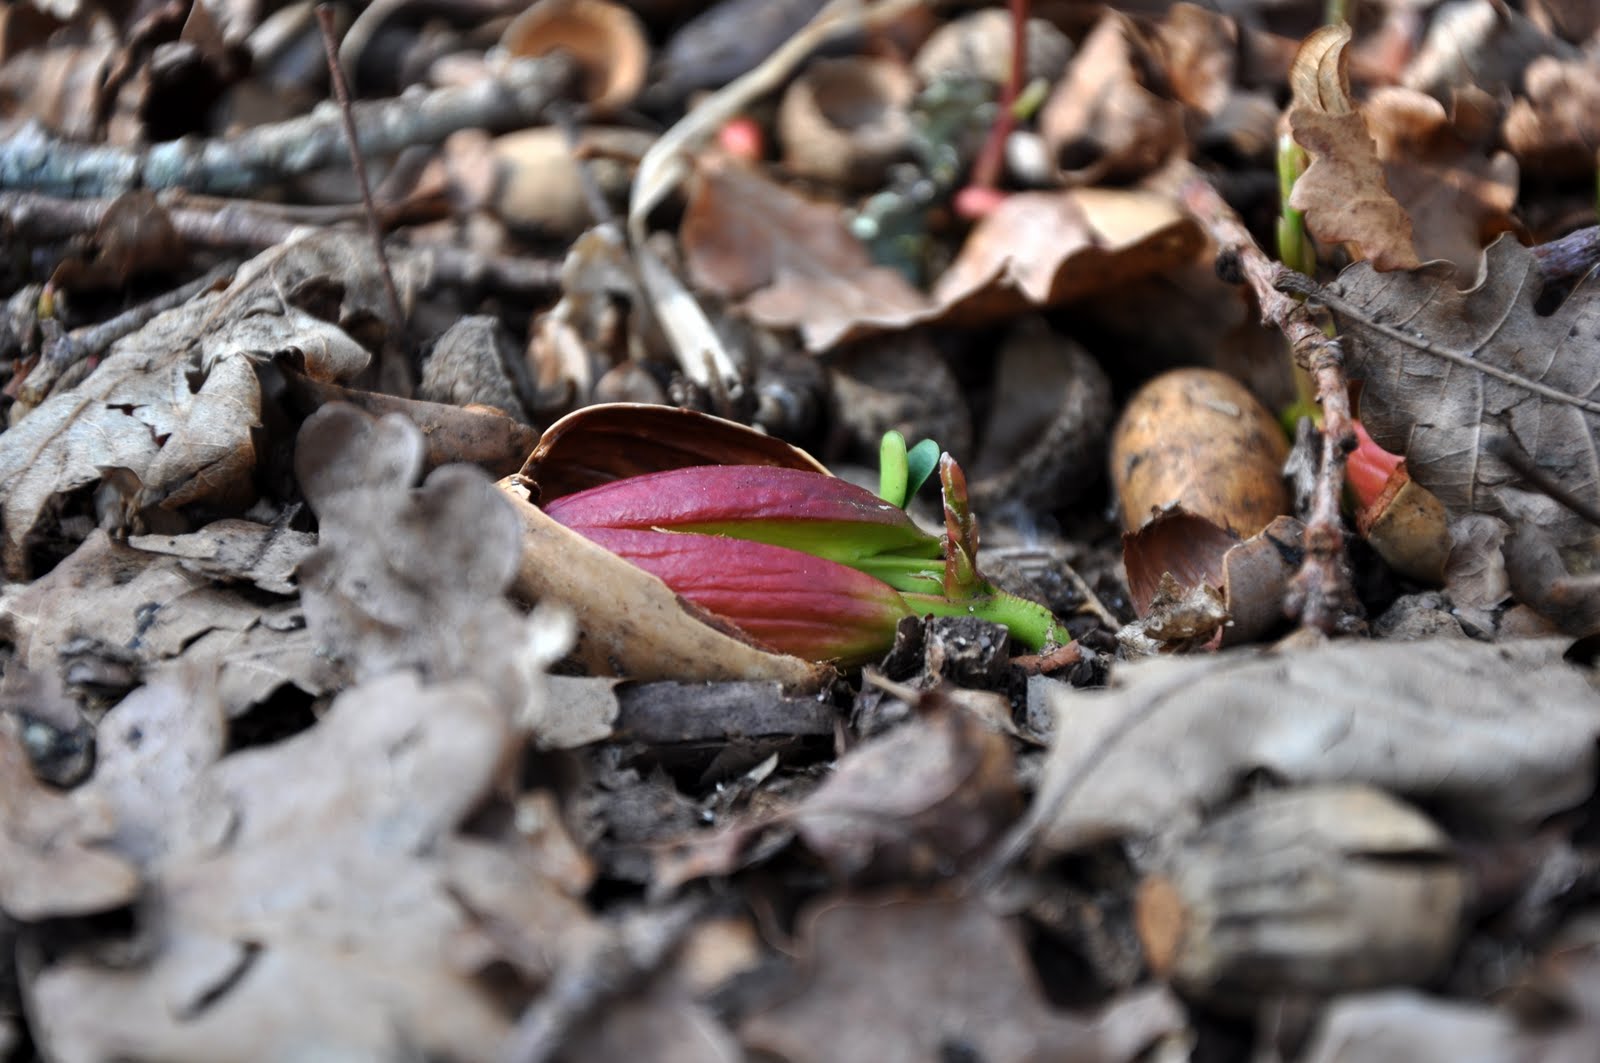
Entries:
{"x":341,"y":92}
{"x":1321,"y":595}
{"x":66,"y":349}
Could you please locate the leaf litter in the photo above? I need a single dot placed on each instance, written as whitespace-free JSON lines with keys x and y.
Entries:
{"x":318,"y":740}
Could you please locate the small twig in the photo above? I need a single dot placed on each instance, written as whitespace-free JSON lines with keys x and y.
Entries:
{"x":72,"y":347}
{"x":248,"y":227}
{"x":1573,"y":255}
{"x":1291,"y":281}
{"x":341,"y":92}
{"x":33,"y":158}
{"x":986,"y":170}
{"x":1321,"y":595}
{"x":586,"y":984}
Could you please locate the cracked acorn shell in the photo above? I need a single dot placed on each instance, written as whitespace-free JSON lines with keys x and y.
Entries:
{"x":1313,"y":892}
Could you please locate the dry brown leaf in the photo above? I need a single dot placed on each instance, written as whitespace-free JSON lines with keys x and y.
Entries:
{"x":1554,"y":129}
{"x":155,"y":609}
{"x":175,"y":404}
{"x":1473,"y":373}
{"x":52,"y":859}
{"x":792,"y":260}
{"x":405,"y":578}
{"x":1343,"y":191}
{"x":300,"y":896}
{"x":908,"y":980}
{"x":1458,"y":196}
{"x":1199,"y":50}
{"x":629,"y":622}
{"x":614,"y":440}
{"x":915,"y":804}
{"x":1501,"y":734}
{"x":265,"y":555}
{"x":1483,"y":43}
{"x":1044,"y":248}
{"x":1107,"y":119}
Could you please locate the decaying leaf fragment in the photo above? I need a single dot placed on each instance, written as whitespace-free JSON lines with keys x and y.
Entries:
{"x":1465,"y":384}
{"x":1503,"y":735}
{"x":175,"y":403}
{"x":1315,"y":891}
{"x":793,"y":260}
{"x":906,"y":980}
{"x":308,"y":896}
{"x":50,"y":862}
{"x":1343,"y":192}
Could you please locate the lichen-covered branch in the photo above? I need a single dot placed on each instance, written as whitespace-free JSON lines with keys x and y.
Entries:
{"x":1321,"y":595}
{"x":33,"y":158}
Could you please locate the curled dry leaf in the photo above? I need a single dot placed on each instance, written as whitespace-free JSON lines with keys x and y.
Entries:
{"x":792,"y":260}
{"x":1343,"y":192}
{"x":629,"y":622}
{"x":1503,"y":735}
{"x":613,"y":441}
{"x":175,"y":403}
{"x":1458,"y":195}
{"x":1043,"y":248}
{"x":904,"y":980}
{"x":1252,"y":575}
{"x":1108,"y":119}
{"x":1199,"y":47}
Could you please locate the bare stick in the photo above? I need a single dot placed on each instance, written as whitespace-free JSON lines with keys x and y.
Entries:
{"x":341,"y":92}
{"x":33,"y":158}
{"x":248,"y":227}
{"x":67,"y":349}
{"x":1571,"y":256}
{"x":1321,"y":595}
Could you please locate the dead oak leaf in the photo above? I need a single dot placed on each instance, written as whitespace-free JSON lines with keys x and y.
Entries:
{"x":793,"y":260}
{"x":175,"y":404}
{"x":319,"y":920}
{"x":1343,"y":192}
{"x":155,"y":610}
{"x":1477,"y":387}
{"x":908,"y":980}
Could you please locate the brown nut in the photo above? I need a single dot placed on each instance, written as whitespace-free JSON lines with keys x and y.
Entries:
{"x":1315,"y":891}
{"x":1197,"y":438}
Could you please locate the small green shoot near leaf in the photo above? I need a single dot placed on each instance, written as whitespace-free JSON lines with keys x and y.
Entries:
{"x":901,"y":473}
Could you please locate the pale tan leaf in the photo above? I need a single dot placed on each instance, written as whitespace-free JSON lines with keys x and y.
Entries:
{"x":1343,"y":192}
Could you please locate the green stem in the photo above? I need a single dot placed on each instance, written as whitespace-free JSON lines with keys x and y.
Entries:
{"x":894,"y":469}
{"x":1029,"y":622}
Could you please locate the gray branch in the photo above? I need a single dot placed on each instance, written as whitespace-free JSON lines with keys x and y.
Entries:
{"x":33,"y":158}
